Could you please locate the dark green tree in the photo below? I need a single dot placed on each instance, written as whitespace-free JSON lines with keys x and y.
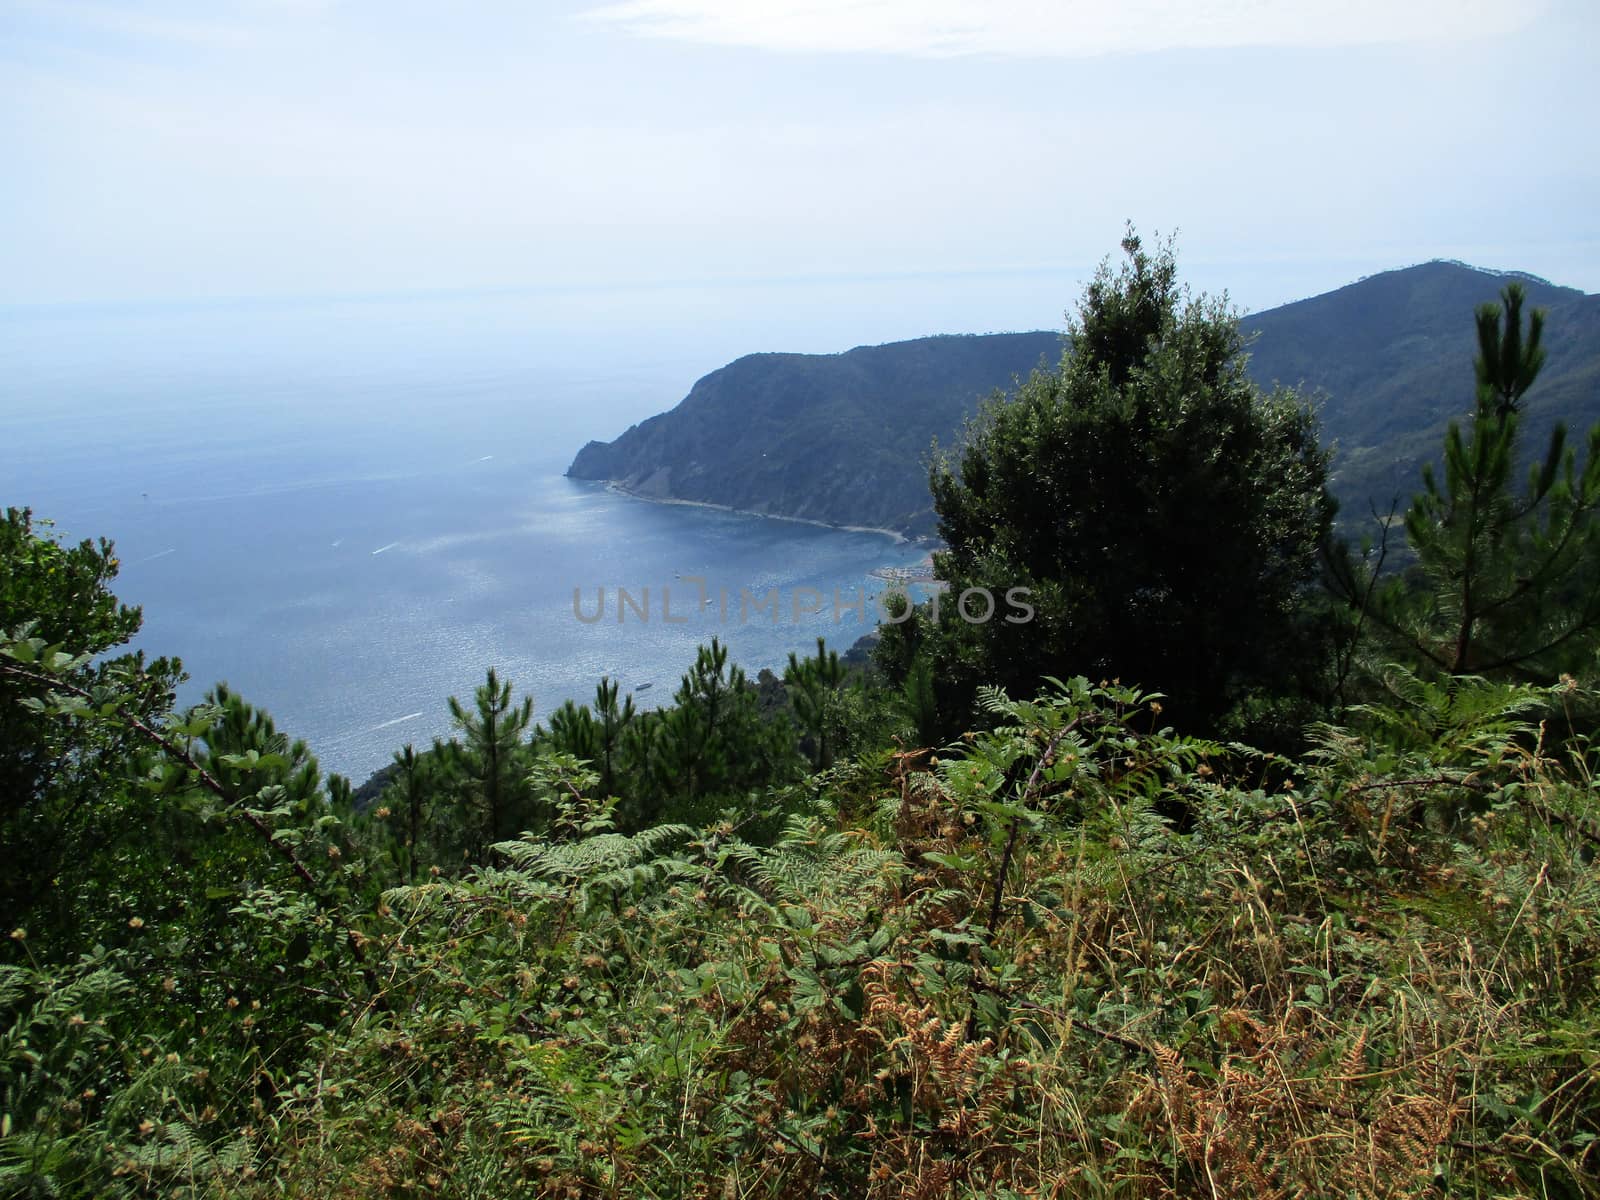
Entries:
{"x":612,"y":721}
{"x":692,"y":757}
{"x":488,"y":763}
{"x":68,"y":790}
{"x":918,"y":704}
{"x":813,"y":684}
{"x":712,"y":748}
{"x":239,"y":736}
{"x":409,"y":799}
{"x":1506,"y":583}
{"x":572,"y":731}
{"x":1164,"y":513}
{"x":595,"y":735}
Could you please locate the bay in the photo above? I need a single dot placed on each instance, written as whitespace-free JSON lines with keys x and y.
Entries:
{"x":348,"y":510}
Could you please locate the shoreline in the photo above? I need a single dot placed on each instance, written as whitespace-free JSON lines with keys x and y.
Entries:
{"x":893,"y":535}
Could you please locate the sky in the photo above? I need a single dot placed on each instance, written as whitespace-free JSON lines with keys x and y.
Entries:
{"x":194,"y":151}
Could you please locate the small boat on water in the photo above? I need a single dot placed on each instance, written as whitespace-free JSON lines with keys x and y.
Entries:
{"x":643,"y":686}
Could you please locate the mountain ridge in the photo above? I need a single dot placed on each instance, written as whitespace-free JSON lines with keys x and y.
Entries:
{"x":842,"y":439}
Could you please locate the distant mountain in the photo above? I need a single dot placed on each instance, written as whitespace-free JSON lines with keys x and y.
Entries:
{"x":844,"y":438}
{"x":838,"y":438}
{"x":1388,"y":361}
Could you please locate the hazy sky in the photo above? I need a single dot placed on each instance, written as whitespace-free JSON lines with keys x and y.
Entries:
{"x":163,"y":149}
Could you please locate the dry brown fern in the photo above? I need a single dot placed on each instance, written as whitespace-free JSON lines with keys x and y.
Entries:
{"x":1267,"y":1123}
{"x":957,"y":1086}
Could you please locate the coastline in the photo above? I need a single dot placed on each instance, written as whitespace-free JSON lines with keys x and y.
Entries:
{"x":893,"y":535}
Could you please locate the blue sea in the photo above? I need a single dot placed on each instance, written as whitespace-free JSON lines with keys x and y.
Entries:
{"x":348,"y":510}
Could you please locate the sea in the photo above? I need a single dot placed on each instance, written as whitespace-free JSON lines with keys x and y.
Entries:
{"x":349,"y":509}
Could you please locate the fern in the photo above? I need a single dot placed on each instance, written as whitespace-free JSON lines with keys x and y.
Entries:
{"x":812,"y":863}
{"x":590,"y":857}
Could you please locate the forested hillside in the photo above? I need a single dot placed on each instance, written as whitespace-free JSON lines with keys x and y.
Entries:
{"x":1388,"y":360}
{"x":844,"y":438}
{"x":832,"y":438}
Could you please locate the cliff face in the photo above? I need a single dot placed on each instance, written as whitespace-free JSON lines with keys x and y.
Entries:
{"x":844,"y":438}
{"x":839,"y":438}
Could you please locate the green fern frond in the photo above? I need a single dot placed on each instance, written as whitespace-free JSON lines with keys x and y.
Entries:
{"x":813,"y":861}
{"x":591,"y":856}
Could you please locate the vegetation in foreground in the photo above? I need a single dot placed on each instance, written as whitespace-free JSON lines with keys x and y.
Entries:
{"x":844,"y":934}
{"x":1000,"y":970}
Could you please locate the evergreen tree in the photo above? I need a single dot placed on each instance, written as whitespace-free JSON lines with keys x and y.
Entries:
{"x":240,"y":736}
{"x":488,"y":762}
{"x":596,"y":736}
{"x":713,"y":744}
{"x":692,"y":756}
{"x":919,"y":704}
{"x":572,"y":731}
{"x":1505,"y":584}
{"x":648,"y":789}
{"x":69,"y":790}
{"x":602,"y":744}
{"x":612,"y":721}
{"x":813,"y":685}
{"x":1164,"y":513}
{"x":410,"y":795}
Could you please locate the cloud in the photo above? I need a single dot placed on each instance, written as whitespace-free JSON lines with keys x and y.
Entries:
{"x":1056,"y":28}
